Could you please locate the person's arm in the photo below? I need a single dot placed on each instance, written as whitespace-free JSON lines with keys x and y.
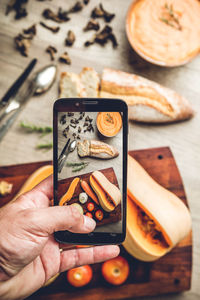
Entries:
{"x":29,"y":255}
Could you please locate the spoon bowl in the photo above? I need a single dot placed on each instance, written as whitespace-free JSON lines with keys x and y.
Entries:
{"x":44,"y":78}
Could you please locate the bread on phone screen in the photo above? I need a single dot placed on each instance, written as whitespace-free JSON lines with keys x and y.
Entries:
{"x":148,"y":101}
{"x":97,"y":149}
{"x":71,"y":86}
{"x":91,"y":82}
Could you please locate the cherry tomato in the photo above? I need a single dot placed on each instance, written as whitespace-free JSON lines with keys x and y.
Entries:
{"x":90,"y":206}
{"x":115,"y":270}
{"x":99,"y":215}
{"x":80,"y":276}
{"x":88,"y":214}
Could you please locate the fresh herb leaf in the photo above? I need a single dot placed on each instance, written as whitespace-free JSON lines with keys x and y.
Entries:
{"x":76,"y":164}
{"x":34,"y":128}
{"x":46,"y":146}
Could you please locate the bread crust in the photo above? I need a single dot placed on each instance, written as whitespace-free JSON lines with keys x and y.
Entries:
{"x":148,"y":101}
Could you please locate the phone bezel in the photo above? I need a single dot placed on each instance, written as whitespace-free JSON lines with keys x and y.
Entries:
{"x":95,"y":105}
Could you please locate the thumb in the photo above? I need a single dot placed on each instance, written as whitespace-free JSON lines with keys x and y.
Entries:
{"x":51,"y":219}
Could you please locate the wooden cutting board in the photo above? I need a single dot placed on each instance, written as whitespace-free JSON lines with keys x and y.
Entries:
{"x":108,"y":218}
{"x":170,"y":274}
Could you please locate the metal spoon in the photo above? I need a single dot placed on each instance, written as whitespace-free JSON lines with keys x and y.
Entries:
{"x":41,"y":81}
{"x":64,"y":154}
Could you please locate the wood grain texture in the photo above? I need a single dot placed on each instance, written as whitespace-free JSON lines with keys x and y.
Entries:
{"x":109,"y":173}
{"x":183,"y":138}
{"x":171,"y":273}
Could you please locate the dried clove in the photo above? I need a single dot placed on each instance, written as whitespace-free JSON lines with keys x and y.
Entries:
{"x":64,"y":58}
{"x":86,"y":1}
{"x":77,"y":7}
{"x":74,"y":135}
{"x":60,"y":17}
{"x":69,"y":41}
{"x":31,"y":31}
{"x":63,"y":119}
{"x":87,"y":118}
{"x":100,"y":12}
{"x":70,"y":114}
{"x":92,"y":25}
{"x":54,"y":29}
{"x":78,"y":137}
{"x":73,"y":126}
{"x":23,"y":40}
{"x":102,"y":37}
{"x":79,"y":129}
{"x":51,"y":50}
{"x":19,"y":7}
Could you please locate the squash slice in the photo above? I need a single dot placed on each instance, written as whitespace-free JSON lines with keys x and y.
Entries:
{"x":156,"y":218}
{"x":34,"y":179}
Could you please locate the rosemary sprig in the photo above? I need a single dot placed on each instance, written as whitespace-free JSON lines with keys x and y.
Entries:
{"x":172,"y":21}
{"x":34,"y":128}
{"x":46,"y":146}
{"x":77,"y":166}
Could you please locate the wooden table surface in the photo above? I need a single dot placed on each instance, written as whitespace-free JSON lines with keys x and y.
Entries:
{"x":183,"y":138}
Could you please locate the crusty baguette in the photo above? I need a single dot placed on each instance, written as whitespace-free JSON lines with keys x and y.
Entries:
{"x":91,"y":82}
{"x":97,"y":149}
{"x":148,"y":101}
{"x":71,"y":86}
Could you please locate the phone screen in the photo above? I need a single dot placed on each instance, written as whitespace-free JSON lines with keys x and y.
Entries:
{"x":90,"y":165}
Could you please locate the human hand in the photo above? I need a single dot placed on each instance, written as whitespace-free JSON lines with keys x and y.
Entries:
{"x":29,"y":255}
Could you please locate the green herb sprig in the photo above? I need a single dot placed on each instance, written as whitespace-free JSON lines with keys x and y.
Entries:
{"x":172,"y":21}
{"x":77,"y":166}
{"x":46,"y":146}
{"x":30,"y":128}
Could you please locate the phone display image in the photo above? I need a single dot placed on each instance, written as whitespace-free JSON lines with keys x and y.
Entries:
{"x":90,"y":166}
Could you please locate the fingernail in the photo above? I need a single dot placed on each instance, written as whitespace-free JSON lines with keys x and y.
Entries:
{"x":89,"y":223}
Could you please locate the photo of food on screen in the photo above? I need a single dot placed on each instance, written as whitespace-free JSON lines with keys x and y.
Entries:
{"x":90,"y":166}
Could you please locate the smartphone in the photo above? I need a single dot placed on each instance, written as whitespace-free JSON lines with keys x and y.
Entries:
{"x":90,"y":166}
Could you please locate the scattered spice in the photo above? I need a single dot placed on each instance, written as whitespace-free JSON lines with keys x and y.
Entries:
{"x":64,"y":58}
{"x":54,"y":29}
{"x":52,"y":51}
{"x":46,"y":146}
{"x":60,"y":17}
{"x":70,"y":114}
{"x":63,"y":119}
{"x":5,"y":188}
{"x":92,"y":25}
{"x":77,"y":7}
{"x":100,"y":12}
{"x":170,"y":17}
{"x":23,"y":40}
{"x":65,"y":131}
{"x":86,"y":1}
{"x":19,"y":7}
{"x":69,"y":41}
{"x":38,"y":129}
{"x":103,"y":37}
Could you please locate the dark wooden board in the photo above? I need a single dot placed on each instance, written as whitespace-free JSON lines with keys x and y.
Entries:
{"x":170,"y":274}
{"x":109,"y":173}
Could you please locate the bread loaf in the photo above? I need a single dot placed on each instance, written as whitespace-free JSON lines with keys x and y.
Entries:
{"x":71,"y":86}
{"x":91,"y":82}
{"x":147,"y":100}
{"x":97,"y":149}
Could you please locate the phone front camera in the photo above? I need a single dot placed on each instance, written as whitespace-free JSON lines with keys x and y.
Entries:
{"x":77,"y":104}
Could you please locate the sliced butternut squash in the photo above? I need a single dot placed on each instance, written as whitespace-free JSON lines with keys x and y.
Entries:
{"x":70,"y":192}
{"x":35,"y":178}
{"x":108,"y":194}
{"x":156,"y":218}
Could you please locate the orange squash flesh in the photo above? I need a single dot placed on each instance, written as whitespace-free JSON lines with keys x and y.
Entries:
{"x":101,"y":194}
{"x":35,"y":178}
{"x":68,"y":195}
{"x":133,"y":213}
{"x":109,"y":123}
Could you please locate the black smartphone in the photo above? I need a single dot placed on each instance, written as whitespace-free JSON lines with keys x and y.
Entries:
{"x":90,"y":166}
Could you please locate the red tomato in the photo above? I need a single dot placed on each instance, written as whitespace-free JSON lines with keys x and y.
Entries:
{"x":99,"y":215}
{"x":88,"y":214}
{"x":116,"y":270}
{"x":90,"y":206}
{"x":80,"y":276}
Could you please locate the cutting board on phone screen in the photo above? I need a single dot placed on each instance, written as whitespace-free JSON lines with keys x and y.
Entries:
{"x":169,"y":274}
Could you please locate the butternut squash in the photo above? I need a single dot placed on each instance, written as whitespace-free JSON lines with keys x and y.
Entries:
{"x":35,"y":178}
{"x":156,"y":218}
{"x":108,"y":194}
{"x":70,"y":192}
